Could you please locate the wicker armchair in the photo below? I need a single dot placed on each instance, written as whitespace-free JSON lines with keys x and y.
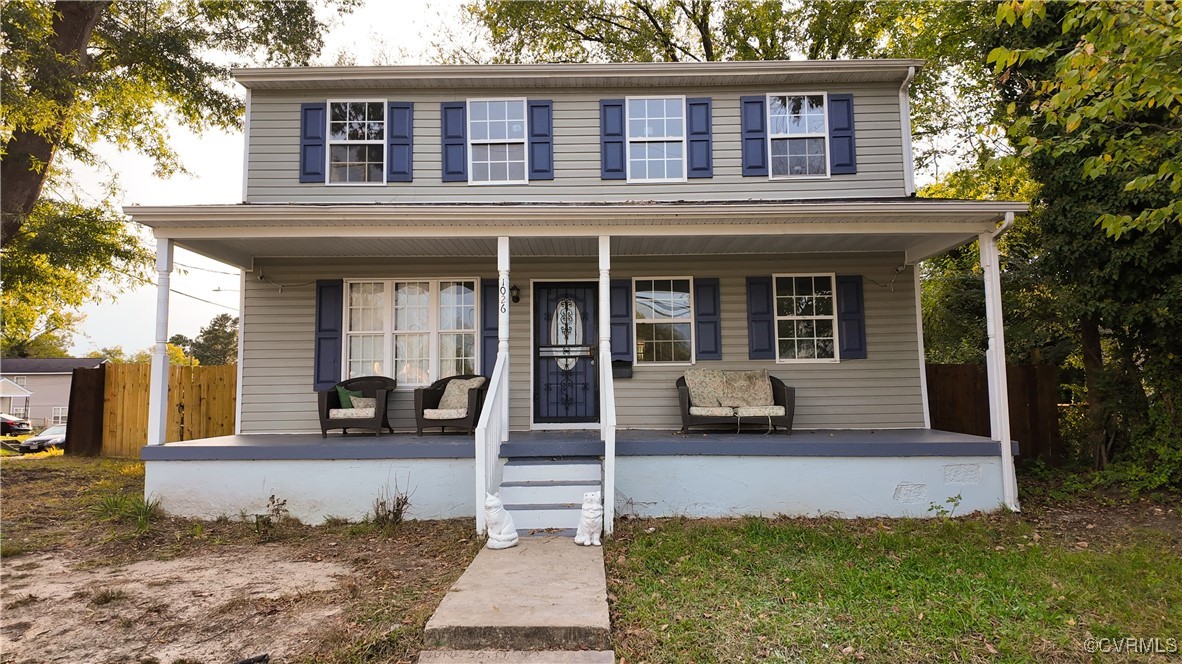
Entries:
{"x":428,"y":398}
{"x":378,"y":388}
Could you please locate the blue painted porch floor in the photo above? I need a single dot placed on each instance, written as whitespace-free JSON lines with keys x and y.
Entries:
{"x":629,"y":442}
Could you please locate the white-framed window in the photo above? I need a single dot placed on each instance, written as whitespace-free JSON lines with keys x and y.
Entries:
{"x":60,"y":414}
{"x":496,"y":141}
{"x":357,"y":142}
{"x":663,"y":319}
{"x":19,"y":380}
{"x":806,"y":318}
{"x":414,"y":330}
{"x":798,"y":135}
{"x":656,"y":139}
{"x":20,"y":411}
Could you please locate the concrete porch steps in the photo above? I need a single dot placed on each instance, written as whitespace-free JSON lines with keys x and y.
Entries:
{"x":545,"y":594}
{"x":547,"y":493}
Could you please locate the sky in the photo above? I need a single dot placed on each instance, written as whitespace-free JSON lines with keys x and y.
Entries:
{"x":203,"y":288}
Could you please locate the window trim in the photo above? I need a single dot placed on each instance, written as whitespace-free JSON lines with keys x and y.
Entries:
{"x":328,"y":142}
{"x":469,"y":141}
{"x":691,"y":320}
{"x":628,"y":139}
{"x":62,"y":412}
{"x":388,"y":331}
{"x":776,"y":318}
{"x":770,"y":136}
{"x":21,"y":381}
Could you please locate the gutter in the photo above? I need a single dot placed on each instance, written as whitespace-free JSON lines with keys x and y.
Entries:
{"x":905,"y":125}
{"x":1005,"y":226}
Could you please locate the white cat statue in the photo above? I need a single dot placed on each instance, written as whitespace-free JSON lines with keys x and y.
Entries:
{"x":502,"y":534}
{"x":591,"y":521}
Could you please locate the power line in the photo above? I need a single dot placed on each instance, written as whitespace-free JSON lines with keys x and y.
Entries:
{"x":205,"y":269}
{"x":216,"y":304}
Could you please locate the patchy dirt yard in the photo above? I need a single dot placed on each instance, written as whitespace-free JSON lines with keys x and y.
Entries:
{"x":85,"y":576}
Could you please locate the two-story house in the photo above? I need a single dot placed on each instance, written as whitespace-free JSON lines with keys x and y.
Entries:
{"x":582,"y":235}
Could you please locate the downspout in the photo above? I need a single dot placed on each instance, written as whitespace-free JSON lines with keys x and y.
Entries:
{"x":1006,"y":225}
{"x":905,"y":126}
{"x":996,"y":360}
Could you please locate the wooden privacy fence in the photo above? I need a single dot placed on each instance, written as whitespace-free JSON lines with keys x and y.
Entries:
{"x":958,"y":399}
{"x":200,"y":405}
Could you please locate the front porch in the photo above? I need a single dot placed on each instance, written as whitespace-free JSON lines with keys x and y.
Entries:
{"x":848,"y":473}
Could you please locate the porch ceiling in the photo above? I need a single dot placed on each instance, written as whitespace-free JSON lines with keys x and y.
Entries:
{"x":239,"y":234}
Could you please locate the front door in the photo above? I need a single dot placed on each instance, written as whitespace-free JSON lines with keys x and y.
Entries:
{"x":566,"y":380}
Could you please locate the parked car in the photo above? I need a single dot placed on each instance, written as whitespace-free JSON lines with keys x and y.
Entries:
{"x":54,"y":436}
{"x":14,"y":426}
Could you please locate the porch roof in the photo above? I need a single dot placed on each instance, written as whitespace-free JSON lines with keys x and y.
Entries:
{"x":239,"y":234}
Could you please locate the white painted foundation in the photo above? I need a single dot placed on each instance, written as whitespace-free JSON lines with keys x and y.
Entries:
{"x":438,"y":488}
{"x":846,"y":487}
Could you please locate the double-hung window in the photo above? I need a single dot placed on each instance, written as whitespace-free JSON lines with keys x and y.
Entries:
{"x":60,"y":414}
{"x":656,"y":139}
{"x":798,"y":134}
{"x":20,"y":380}
{"x":663,"y":315}
{"x":357,"y":142}
{"x":496,"y":136}
{"x":416,"y":331}
{"x":806,"y":318}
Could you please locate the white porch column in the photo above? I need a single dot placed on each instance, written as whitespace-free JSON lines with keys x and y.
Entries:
{"x":607,"y":410}
{"x":995,"y":362}
{"x":503,"y":323}
{"x":158,"y":386}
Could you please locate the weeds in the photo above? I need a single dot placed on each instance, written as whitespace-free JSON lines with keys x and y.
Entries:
{"x":389,"y":508}
{"x":107,"y":596}
{"x":128,"y":507}
{"x":276,"y":514}
{"x":943,"y":513}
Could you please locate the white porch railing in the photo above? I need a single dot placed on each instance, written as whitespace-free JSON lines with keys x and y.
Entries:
{"x":491,"y":431}
{"x":607,"y":423}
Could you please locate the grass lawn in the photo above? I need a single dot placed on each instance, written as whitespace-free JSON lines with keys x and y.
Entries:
{"x":1013,"y":587}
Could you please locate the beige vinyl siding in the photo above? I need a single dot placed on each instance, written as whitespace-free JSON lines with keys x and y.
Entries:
{"x":273,"y":176}
{"x":882,"y":391}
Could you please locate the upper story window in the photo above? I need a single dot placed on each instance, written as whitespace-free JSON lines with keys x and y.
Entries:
{"x":19,"y":380}
{"x":664,"y":315}
{"x":357,"y":142}
{"x":496,"y":137}
{"x":798,"y":134}
{"x":806,"y":318}
{"x":656,"y":139}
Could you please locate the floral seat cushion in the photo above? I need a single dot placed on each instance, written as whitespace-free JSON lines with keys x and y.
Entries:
{"x":712,"y":388}
{"x":760,"y":411}
{"x":711,"y":411}
{"x":351,"y":413}
{"x":455,"y":396}
{"x":445,"y":413}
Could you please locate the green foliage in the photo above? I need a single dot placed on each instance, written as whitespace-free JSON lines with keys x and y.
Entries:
{"x":217,"y":342}
{"x":1114,"y":98}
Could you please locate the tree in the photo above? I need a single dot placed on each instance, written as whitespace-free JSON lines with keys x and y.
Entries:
{"x":1112,"y":97}
{"x":77,"y":74}
{"x":116,"y":355}
{"x":217,"y":342}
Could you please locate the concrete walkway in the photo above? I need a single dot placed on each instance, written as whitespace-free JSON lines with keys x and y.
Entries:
{"x":545,"y":594}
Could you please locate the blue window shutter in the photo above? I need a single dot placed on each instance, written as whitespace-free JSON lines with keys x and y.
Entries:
{"x":851,"y":318}
{"x":842,"y":159}
{"x":541,"y":139}
{"x":489,"y":302}
{"x":454,"y":132}
{"x":699,"y":136}
{"x":612,"y":140}
{"x":400,"y":141}
{"x":313,"y":127}
{"x":621,"y":317}
{"x":761,"y":319}
{"x":753,"y":125}
{"x":330,"y":307}
{"x":708,"y":319}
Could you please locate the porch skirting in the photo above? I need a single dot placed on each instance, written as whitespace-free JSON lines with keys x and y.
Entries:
{"x":314,"y":489}
{"x":843,"y":487}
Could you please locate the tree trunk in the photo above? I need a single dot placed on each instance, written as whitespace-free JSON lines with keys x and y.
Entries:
{"x":28,"y":154}
{"x":1093,"y":361}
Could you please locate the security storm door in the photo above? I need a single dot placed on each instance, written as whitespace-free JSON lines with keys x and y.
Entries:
{"x":566,"y":380}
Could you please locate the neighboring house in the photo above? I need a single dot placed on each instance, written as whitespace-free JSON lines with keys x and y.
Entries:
{"x":48,"y":379}
{"x":14,"y":399}
{"x":419,"y":222}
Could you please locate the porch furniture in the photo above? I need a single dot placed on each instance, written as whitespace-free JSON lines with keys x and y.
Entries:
{"x":454,"y":401}
{"x":713,"y":397}
{"x":369,"y":411}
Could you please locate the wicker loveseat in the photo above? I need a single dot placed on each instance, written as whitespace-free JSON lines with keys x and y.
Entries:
{"x":735,"y":398}
{"x":434,"y":407}
{"x":363,"y":415}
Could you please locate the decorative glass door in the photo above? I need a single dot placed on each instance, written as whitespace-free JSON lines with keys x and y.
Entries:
{"x":566,"y":378}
